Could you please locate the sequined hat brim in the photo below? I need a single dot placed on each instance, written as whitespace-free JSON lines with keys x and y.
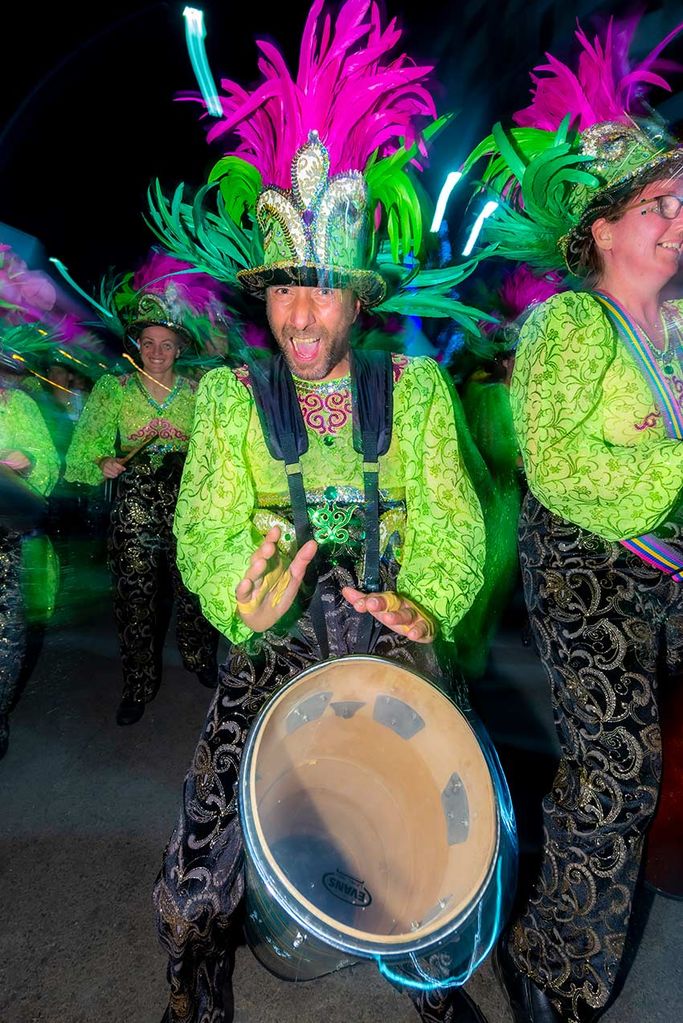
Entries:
{"x":368,"y":285}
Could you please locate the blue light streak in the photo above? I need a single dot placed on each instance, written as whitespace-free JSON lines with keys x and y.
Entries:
{"x":195,"y":34}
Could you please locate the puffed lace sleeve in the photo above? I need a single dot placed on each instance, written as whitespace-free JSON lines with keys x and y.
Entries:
{"x":444,"y":546}
{"x":617,"y":491}
{"x":213,"y":523}
{"x":95,"y":433}
{"x":29,"y":434}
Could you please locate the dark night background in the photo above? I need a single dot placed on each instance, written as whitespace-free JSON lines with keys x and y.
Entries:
{"x":87,"y":116}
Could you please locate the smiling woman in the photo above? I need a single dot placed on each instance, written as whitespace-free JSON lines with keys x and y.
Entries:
{"x":596,"y":402}
{"x":135,"y":429}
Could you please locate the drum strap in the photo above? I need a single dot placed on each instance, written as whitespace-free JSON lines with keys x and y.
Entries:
{"x":285,"y":435}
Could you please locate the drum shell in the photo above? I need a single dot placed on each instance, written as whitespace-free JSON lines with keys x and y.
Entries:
{"x":297,"y":939}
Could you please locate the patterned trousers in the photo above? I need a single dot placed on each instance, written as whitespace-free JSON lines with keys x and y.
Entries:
{"x":201,"y":883}
{"x":12,"y":624}
{"x":142,"y":560}
{"x":605,"y":624}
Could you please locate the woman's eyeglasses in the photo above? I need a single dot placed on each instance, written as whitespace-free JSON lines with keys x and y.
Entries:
{"x":668,"y":206}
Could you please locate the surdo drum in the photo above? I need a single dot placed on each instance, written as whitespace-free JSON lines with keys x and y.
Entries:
{"x":377,"y":824}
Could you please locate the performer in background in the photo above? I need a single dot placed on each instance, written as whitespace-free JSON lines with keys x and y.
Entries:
{"x":28,"y":461}
{"x":596,"y":405}
{"x":373,"y":473}
{"x":148,"y":414}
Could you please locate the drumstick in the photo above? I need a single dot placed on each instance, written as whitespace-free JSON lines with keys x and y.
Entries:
{"x":137,"y":450}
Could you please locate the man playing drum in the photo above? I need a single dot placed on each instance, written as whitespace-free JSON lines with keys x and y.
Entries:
{"x":324,"y":507}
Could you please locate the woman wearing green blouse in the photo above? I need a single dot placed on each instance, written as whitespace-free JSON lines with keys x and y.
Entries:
{"x":148,"y":414}
{"x":597,"y":405}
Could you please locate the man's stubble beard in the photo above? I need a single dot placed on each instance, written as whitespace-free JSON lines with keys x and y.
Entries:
{"x":334,"y":349}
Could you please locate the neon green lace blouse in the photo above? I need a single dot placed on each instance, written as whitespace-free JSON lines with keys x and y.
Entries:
{"x":595,"y":450}
{"x":22,"y":428}
{"x":122,"y":406}
{"x":230,"y":480}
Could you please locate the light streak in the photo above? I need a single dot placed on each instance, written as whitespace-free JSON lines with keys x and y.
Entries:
{"x":444,"y":195}
{"x":194,"y":37}
{"x":149,"y":377}
{"x":478,"y":224}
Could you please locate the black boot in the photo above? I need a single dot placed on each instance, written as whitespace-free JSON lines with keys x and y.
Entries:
{"x":129,"y":711}
{"x":447,"y":1006}
{"x":529,"y":1003}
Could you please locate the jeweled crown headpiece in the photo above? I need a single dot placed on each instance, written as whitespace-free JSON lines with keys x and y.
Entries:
{"x":316,"y":233}
{"x":586,"y":138}
{"x":317,"y":188}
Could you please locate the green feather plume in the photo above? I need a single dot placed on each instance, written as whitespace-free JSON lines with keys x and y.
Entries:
{"x":394,"y":188}
{"x":430,"y":293}
{"x":212,"y":241}
{"x":531,"y":173}
{"x":240,"y":184}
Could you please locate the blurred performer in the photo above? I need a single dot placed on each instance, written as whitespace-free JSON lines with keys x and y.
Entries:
{"x":149,"y":412}
{"x":369,"y":536}
{"x":28,"y":470}
{"x":596,"y":403}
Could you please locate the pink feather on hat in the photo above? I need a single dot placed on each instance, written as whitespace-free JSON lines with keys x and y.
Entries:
{"x":605,"y":87}
{"x":198,"y":291}
{"x":348,"y":88}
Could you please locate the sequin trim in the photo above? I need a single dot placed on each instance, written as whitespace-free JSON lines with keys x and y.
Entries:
{"x":341,"y":495}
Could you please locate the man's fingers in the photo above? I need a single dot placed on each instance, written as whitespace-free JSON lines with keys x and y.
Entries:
{"x":264,"y":552}
{"x":302,"y":559}
{"x":419,"y":631}
{"x":406,"y":616}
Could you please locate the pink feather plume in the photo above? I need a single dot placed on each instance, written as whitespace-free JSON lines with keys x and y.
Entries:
{"x":524,"y":288}
{"x":348,"y":88}
{"x":605,"y":86}
{"x":199,"y":291}
{"x":25,"y":295}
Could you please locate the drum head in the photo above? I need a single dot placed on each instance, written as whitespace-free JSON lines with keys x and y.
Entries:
{"x":368,"y":806}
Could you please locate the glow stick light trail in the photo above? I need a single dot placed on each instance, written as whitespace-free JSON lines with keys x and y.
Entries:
{"x":444,"y":195}
{"x":194,"y":37}
{"x":478,"y":224}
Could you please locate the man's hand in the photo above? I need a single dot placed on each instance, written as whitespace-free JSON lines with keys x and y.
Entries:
{"x":111,"y":468}
{"x":396,"y":612}
{"x":16,"y":460}
{"x":270,"y":586}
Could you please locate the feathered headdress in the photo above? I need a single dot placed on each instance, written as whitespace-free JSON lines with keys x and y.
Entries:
{"x":170,"y":293}
{"x":583,"y":140}
{"x":318,"y":170}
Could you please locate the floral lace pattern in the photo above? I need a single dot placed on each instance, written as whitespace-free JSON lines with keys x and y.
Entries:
{"x":326,"y":406}
{"x":120,"y":408}
{"x":576,"y":397}
{"x":228,"y":466}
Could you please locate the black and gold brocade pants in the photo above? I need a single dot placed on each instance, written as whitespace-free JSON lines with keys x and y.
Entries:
{"x":201,"y":883}
{"x":142,"y":560}
{"x":12,"y":624}
{"x":605,"y":624}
